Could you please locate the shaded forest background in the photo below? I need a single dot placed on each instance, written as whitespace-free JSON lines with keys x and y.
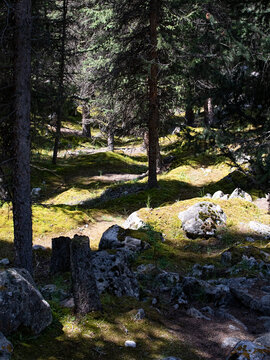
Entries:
{"x":130,"y":68}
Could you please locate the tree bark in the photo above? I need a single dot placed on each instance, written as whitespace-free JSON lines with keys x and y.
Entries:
{"x":153,"y":122}
{"x":189,"y":116}
{"x":86,"y":128}
{"x":61,"y":75}
{"x":22,"y":215}
{"x":60,"y":260}
{"x":159,"y":161}
{"x":86,"y":296}
{"x":110,"y":140}
{"x":208,"y":112}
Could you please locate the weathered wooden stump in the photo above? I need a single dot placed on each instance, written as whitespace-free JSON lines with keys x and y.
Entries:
{"x":60,"y":260}
{"x":85,"y":292}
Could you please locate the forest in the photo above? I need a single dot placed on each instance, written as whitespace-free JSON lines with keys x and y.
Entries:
{"x":134,"y":179}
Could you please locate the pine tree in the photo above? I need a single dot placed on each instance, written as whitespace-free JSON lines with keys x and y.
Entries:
{"x":22,"y":104}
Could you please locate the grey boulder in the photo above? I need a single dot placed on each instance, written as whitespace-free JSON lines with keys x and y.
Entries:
{"x":202,"y":219}
{"x":134,"y":222}
{"x":240,"y":194}
{"x":21,"y":303}
{"x":6,"y":348}
{"x":259,"y":228}
{"x":247,"y":350}
{"x":116,"y":237}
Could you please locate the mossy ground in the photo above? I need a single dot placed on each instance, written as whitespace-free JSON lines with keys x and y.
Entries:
{"x":57,"y":212}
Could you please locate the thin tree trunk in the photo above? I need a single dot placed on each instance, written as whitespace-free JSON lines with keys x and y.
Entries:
{"x":22,"y":215}
{"x":159,"y":161}
{"x":110,"y":140}
{"x":153,"y":122}
{"x":208,"y":112}
{"x":60,"y":99}
{"x":86,"y":128}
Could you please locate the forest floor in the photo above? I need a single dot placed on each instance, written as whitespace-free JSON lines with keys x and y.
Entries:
{"x":91,"y":189}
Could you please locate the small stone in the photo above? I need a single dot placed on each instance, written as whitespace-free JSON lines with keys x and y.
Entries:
{"x":35,"y":192}
{"x":134,"y":222}
{"x":176,"y":307}
{"x":39,"y":247}
{"x":208,"y":310}
{"x":154,"y":302}
{"x":68,"y":303}
{"x":250,"y":239}
{"x":130,"y":343}
{"x":4,"y":261}
{"x":229,"y":342}
{"x":218,"y":195}
{"x":234,"y":328}
{"x":140,"y":315}
{"x":193,"y":312}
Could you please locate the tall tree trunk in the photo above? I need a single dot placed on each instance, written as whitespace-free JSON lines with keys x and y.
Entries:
{"x":159,"y":161}
{"x":22,"y":216}
{"x":153,"y":122}
{"x":110,"y":140}
{"x":208,"y":112}
{"x":60,"y":97}
{"x":86,"y":128}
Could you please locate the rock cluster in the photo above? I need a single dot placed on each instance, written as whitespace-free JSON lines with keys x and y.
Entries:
{"x":236,"y":194}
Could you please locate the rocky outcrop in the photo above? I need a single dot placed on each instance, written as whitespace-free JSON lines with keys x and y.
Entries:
{"x":21,"y":303}
{"x":114,"y":275}
{"x":202,"y":219}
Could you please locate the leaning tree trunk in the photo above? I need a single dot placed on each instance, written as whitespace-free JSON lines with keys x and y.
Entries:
{"x":153,"y":121}
{"x":60,"y":96}
{"x":86,"y":128}
{"x":208,"y":112}
{"x":22,"y":215}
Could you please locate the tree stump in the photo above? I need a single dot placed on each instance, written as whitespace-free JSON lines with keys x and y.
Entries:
{"x":86,"y":296}
{"x":60,"y":260}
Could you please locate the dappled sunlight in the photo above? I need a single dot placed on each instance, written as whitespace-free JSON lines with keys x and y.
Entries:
{"x":103,"y":336}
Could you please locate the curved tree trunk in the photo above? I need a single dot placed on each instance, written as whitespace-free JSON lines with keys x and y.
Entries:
{"x":153,"y":122}
{"x":22,"y":215}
